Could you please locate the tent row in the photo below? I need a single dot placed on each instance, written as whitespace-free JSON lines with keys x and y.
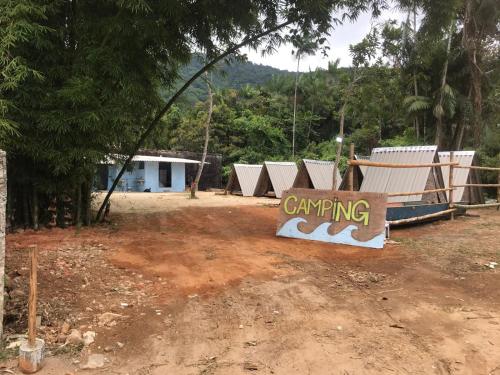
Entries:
{"x":272,"y":178}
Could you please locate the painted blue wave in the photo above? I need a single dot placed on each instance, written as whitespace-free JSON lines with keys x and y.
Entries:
{"x":291,"y":229}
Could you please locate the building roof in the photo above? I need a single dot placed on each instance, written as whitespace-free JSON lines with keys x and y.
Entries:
{"x":321,"y":173}
{"x":163,"y":159}
{"x":278,"y":176}
{"x":247,"y":176}
{"x":362,"y":168}
{"x":460,"y":175}
{"x":392,"y":180}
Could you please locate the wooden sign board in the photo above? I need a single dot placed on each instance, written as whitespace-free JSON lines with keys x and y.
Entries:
{"x":343,"y":217}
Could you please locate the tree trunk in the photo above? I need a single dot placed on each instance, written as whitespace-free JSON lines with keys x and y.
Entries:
{"x":26,"y":208}
{"x":295,"y":105}
{"x":471,"y":42}
{"x":78,"y":206}
{"x":415,"y":85}
{"x":194,"y":188}
{"x":34,"y":208}
{"x":60,"y":219}
{"x":339,"y":146}
{"x":88,"y":203}
{"x":440,"y":134}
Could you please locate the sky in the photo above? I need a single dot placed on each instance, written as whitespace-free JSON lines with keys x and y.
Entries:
{"x":339,"y":40}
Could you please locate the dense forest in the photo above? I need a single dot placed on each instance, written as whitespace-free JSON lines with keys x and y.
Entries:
{"x":82,"y":80}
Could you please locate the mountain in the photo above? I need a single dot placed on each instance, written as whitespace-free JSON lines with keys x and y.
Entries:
{"x":235,"y":75}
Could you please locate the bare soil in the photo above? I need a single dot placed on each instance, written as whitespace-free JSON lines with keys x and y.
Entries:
{"x":209,"y":289}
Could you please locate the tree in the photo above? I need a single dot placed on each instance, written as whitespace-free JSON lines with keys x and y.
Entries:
{"x":207,"y":137}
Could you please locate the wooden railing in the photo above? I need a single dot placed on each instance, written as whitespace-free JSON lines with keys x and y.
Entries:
{"x":452,"y":164}
{"x":482,"y":205}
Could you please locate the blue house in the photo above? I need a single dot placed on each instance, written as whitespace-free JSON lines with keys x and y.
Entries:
{"x":147,"y":173}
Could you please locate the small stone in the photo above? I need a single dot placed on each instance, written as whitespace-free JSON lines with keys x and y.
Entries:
{"x":250,"y":366}
{"x":88,"y":338}
{"x":94,"y":361}
{"x":61,"y":338}
{"x":339,"y":328}
{"x":65,"y":328}
{"x":108,"y":348}
{"x":240,"y":326}
{"x":74,"y":337}
{"x":108,"y":319}
{"x":120,"y":344}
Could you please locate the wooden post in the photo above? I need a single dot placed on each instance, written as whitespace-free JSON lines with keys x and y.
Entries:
{"x":31,"y":352}
{"x":3,"y":221}
{"x":450,"y":185}
{"x":350,"y":176}
{"x":498,"y":191}
{"x":32,"y":296}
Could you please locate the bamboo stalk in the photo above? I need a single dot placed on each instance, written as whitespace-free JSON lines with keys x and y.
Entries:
{"x":483,"y":205}
{"x":477,"y":167}
{"x":350,"y":176}
{"x":32,"y":296}
{"x":418,"y":192}
{"x":394,"y":165}
{"x":424,"y":217}
{"x":450,"y":185}
{"x":479,"y":185}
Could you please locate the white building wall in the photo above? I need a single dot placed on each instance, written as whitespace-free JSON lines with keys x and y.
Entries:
{"x":178,"y":177}
{"x":150,"y":175}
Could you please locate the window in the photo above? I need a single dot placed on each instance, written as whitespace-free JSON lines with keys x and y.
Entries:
{"x":165,"y":174}
{"x":141,"y":165}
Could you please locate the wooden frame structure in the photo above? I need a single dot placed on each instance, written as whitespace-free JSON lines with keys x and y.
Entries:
{"x":452,"y":207}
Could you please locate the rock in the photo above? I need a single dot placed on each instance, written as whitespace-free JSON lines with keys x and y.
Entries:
{"x":17,"y":293}
{"x":250,"y":366}
{"x":120,"y":344}
{"x":74,"y":337}
{"x":108,"y":319}
{"x":15,"y":344}
{"x":88,"y":338}
{"x":65,"y":328}
{"x":61,"y":338}
{"x":94,"y":361}
{"x":108,"y":348}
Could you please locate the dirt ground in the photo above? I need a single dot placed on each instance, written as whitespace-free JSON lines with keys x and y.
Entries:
{"x":205,"y":287}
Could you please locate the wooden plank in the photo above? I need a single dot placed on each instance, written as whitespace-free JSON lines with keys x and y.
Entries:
{"x":395,"y":165}
{"x":420,"y":218}
{"x":343,"y":217}
{"x":417,"y":192}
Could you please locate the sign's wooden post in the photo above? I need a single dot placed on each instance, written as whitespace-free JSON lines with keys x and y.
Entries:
{"x":450,"y":185}
{"x":350,"y":176}
{"x":343,"y":217}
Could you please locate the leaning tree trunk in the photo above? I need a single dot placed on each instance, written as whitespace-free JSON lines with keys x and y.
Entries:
{"x":156,"y":120}
{"x":194,"y":188}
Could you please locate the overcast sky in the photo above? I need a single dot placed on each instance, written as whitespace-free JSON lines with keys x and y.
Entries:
{"x":340,"y":39}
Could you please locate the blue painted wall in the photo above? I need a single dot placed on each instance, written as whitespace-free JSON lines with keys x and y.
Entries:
{"x":147,"y":178}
